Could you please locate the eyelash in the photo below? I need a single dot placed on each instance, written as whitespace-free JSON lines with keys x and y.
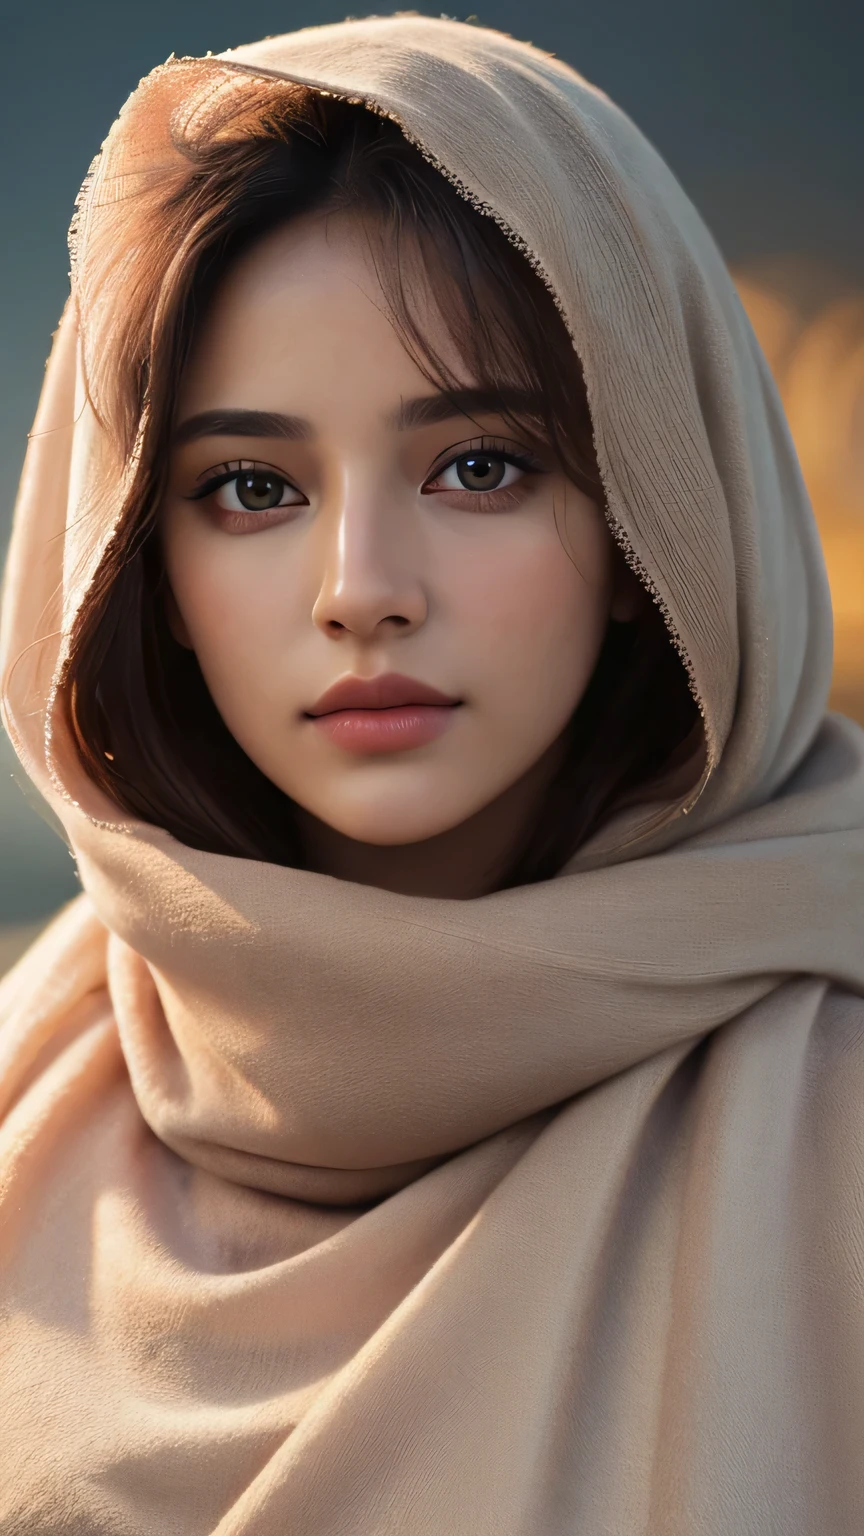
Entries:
{"x":495,"y":499}
{"x":499,"y":498}
{"x":232,"y":471}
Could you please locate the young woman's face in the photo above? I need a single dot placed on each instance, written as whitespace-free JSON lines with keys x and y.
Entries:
{"x":329,"y":518}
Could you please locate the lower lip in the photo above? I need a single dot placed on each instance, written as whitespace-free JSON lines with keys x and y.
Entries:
{"x":386,"y":730}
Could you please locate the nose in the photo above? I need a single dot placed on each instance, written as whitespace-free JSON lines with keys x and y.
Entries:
{"x":371,"y":578}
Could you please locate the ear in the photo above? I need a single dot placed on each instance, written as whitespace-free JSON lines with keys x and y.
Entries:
{"x":628,"y":594}
{"x":175,"y":620}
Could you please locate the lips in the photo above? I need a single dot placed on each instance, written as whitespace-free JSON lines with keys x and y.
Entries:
{"x":390,"y":690}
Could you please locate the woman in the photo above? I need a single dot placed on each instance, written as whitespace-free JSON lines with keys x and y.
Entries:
{"x":441,"y":1110}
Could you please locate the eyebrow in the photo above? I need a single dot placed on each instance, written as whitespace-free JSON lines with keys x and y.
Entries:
{"x":241,"y":424}
{"x":423,"y":411}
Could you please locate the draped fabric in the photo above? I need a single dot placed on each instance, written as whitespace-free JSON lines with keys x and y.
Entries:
{"x":331,"y":1211}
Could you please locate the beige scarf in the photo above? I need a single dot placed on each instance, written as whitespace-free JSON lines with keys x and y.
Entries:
{"x":332,"y":1212}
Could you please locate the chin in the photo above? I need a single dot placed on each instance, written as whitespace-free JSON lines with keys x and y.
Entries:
{"x":387,"y":834}
{"x":388,"y":826}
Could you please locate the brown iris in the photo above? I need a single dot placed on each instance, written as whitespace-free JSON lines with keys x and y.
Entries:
{"x":480,"y":471}
{"x":259,"y":489}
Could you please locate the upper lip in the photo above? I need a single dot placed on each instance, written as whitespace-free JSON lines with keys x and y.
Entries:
{"x":386,"y":691}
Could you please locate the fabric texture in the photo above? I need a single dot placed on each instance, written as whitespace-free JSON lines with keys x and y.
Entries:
{"x":332,"y":1211}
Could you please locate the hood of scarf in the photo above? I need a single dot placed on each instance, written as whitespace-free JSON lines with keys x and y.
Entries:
{"x":331,"y":1041}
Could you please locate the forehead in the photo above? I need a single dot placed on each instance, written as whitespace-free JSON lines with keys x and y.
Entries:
{"x":310,"y":251}
{"x":311,"y":287}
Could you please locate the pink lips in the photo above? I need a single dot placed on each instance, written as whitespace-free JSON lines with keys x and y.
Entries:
{"x":388,"y":713}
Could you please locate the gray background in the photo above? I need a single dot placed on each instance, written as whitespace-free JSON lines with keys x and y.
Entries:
{"x":756,"y":104}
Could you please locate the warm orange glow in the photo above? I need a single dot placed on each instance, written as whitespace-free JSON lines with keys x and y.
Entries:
{"x":818,"y":362}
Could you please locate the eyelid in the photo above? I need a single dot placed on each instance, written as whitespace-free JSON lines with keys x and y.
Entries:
{"x":510,"y":452}
{"x":212,"y":479}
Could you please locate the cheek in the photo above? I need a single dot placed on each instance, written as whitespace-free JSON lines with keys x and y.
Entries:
{"x":536,"y":622}
{"x":237,"y":599}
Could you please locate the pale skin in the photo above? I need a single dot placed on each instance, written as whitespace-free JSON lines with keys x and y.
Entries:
{"x":377,"y":559}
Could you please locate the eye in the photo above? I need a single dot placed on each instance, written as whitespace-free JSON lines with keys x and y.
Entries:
{"x":245,"y":488}
{"x":491,"y":476}
{"x":256,"y":489}
{"x":479,"y":471}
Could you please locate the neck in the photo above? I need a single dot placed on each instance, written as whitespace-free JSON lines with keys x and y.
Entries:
{"x":465,"y":861}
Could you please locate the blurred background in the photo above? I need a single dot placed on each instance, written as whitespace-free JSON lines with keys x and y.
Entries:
{"x":757,"y":107}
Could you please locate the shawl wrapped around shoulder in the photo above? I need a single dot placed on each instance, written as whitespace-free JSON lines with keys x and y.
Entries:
{"x":337,"y":1212}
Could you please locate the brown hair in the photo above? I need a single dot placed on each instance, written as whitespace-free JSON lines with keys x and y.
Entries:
{"x":146,"y":726}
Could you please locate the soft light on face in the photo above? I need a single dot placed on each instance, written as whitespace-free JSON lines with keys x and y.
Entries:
{"x":346,"y":533}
